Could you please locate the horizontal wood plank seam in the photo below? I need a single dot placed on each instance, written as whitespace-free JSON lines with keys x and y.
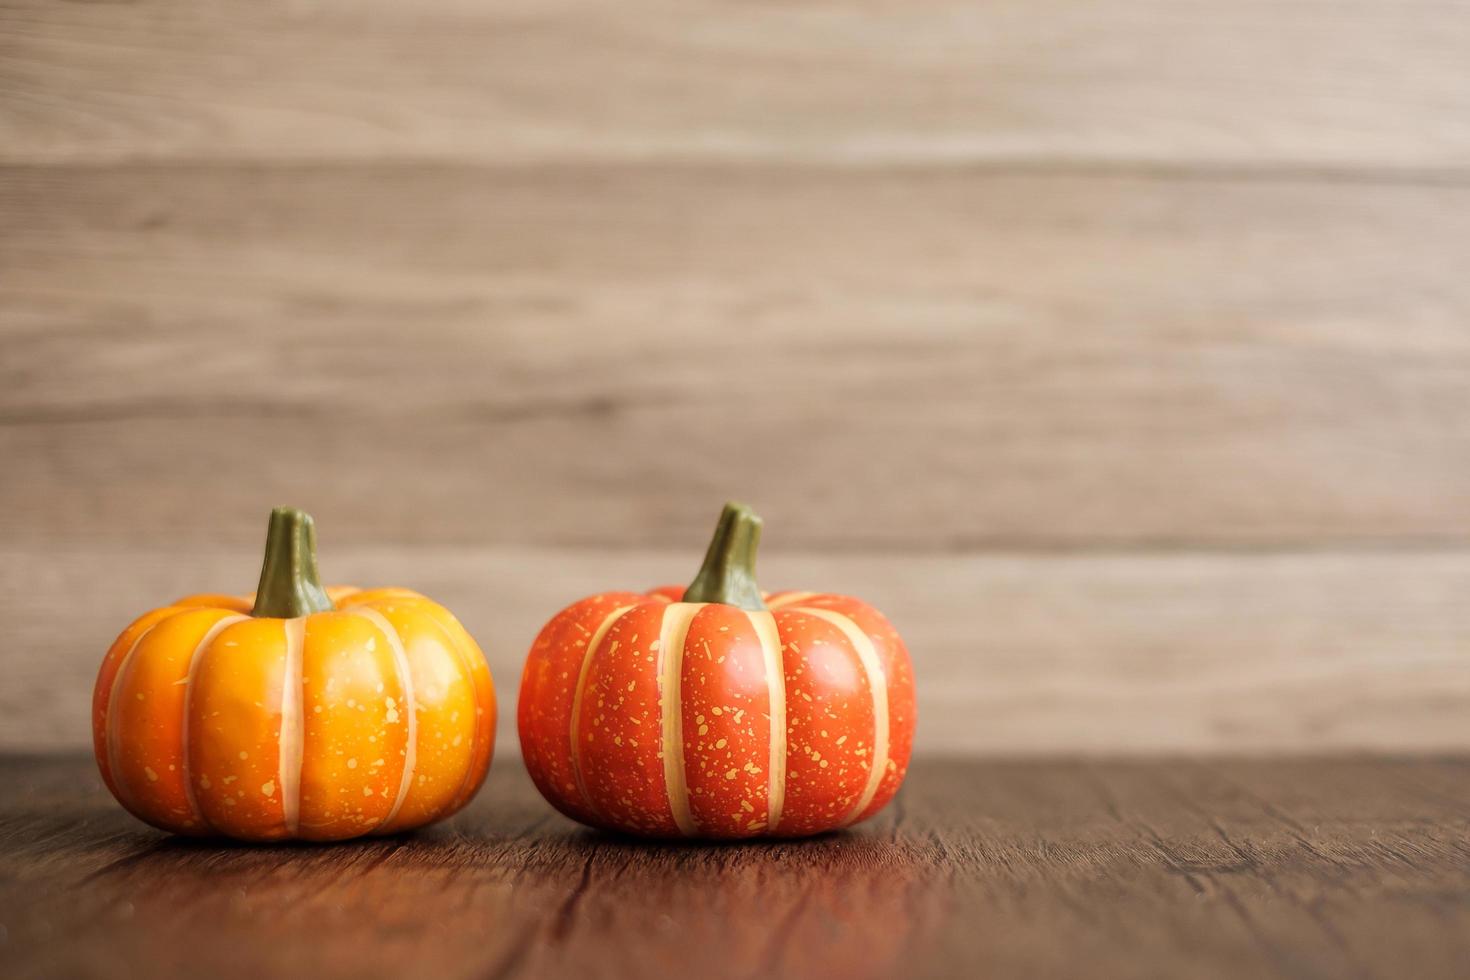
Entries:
{"x":1040,"y":167}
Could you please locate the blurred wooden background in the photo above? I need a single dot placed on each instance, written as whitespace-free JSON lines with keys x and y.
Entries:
{"x":1120,"y":351}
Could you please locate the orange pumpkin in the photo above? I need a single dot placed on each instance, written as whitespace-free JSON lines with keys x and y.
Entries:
{"x":717,"y":711}
{"x":302,"y":712}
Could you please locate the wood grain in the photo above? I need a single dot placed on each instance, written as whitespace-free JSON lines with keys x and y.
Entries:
{"x":1295,"y":84}
{"x":1299,"y":868}
{"x":599,"y":356}
{"x":1014,"y":654}
{"x":1116,"y":349}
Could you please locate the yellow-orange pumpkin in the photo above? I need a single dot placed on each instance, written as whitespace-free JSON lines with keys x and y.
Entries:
{"x":302,"y":712}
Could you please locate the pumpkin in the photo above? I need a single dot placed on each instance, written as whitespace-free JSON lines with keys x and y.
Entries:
{"x":717,"y":711}
{"x":301,"y":713}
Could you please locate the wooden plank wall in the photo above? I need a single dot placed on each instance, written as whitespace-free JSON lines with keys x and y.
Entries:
{"x":1120,"y":351}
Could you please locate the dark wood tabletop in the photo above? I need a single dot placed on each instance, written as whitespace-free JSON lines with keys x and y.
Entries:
{"x":1225,"y":868}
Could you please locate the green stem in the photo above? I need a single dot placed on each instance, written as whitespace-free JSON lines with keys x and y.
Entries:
{"x":728,"y":573}
{"x":290,"y":585}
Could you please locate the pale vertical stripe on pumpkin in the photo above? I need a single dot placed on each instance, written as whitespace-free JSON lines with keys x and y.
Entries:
{"x":672,"y":634}
{"x":114,"y":736}
{"x":293,"y":723}
{"x":765,"y":629}
{"x":878,"y":684}
{"x":464,"y":657}
{"x":190,"y":676}
{"x":575,"y":722}
{"x":405,"y":681}
{"x":788,"y":599}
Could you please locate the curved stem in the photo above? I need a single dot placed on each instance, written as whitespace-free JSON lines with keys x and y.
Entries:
{"x":728,"y":573}
{"x":289,"y":583}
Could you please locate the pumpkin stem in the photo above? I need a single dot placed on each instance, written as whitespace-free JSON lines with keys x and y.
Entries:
{"x":728,"y":573}
{"x":290,"y":585}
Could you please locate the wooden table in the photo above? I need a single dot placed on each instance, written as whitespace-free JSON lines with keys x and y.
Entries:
{"x":1235,"y":868}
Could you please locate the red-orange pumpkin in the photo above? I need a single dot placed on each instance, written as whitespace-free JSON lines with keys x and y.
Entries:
{"x":718,"y":711}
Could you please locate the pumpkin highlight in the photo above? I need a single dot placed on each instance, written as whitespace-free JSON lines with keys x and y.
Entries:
{"x":718,"y":711}
{"x":304,"y":713}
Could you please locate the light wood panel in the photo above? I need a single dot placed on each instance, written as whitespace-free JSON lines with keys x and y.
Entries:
{"x":1014,"y":654}
{"x":600,"y":356}
{"x":1294,"y":83}
{"x":1118,"y":349}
